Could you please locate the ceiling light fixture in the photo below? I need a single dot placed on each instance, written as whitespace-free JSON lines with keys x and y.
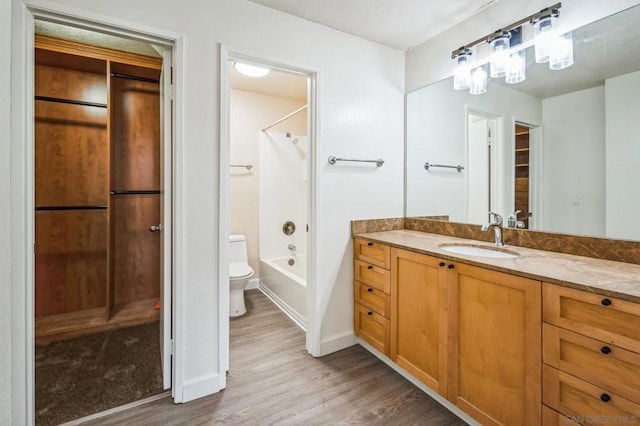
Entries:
{"x":507,"y":57}
{"x":251,"y":70}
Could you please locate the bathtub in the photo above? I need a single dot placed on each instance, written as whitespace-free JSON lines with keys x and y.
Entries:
{"x":286,"y":285}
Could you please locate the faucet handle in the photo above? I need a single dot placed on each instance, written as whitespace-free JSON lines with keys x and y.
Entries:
{"x":497,"y":219}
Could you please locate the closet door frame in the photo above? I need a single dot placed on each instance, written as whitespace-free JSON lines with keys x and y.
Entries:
{"x":23,"y":190}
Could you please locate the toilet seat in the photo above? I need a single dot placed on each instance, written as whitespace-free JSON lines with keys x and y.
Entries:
{"x":239,"y":270}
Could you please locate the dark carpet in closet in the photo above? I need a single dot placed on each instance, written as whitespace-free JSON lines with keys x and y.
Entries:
{"x":88,"y":374}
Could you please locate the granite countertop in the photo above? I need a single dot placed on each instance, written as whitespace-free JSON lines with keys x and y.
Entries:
{"x":606,"y":277}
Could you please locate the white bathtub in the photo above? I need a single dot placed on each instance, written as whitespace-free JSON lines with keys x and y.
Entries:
{"x":286,"y":285}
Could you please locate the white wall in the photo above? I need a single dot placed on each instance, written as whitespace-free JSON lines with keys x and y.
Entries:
{"x":431,"y":61}
{"x":283,"y":193}
{"x":5,"y":218}
{"x":360,"y":114}
{"x":622,"y":154}
{"x":573,"y":163}
{"x":249,"y":113}
{"x":436,"y":132}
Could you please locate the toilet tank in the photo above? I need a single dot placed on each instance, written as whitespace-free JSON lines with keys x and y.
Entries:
{"x":237,"y":248}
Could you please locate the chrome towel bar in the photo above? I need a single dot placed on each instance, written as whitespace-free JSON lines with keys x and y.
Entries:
{"x":459,"y":168}
{"x":245,"y":166}
{"x":333,"y":160}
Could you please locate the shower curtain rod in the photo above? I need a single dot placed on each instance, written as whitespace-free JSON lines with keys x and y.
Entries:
{"x":285,"y":117}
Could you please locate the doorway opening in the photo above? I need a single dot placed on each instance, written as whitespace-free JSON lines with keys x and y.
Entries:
{"x":526,"y":161}
{"x":102,"y":221}
{"x":267,"y":194}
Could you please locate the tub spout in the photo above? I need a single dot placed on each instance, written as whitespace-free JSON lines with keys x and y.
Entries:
{"x":291,"y":247}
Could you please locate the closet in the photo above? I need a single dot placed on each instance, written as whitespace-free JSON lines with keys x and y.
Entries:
{"x":97,"y":188}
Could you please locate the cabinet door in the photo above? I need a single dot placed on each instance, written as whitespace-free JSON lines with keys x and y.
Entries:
{"x":495,"y":362}
{"x":418,"y":316}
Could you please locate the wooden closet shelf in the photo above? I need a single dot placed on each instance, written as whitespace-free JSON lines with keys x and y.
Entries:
{"x":70,"y":101}
{"x":64,"y":208}
{"x":136,"y":192}
{"x":62,"y":326}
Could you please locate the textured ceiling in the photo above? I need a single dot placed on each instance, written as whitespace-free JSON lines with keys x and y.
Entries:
{"x":401,"y":24}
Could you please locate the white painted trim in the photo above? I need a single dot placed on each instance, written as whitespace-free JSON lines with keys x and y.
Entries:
{"x":199,"y":387}
{"x":417,"y":383}
{"x":22,"y":184}
{"x":314,"y":314}
{"x":337,"y":342}
{"x":284,"y":307}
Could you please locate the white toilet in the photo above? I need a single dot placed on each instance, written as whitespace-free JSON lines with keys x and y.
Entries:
{"x":239,"y":274}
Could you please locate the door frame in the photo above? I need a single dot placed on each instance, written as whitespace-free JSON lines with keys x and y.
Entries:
{"x":22,"y":186}
{"x":229,"y":53}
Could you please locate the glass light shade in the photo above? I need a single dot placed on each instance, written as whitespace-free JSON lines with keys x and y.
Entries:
{"x":544,"y":35}
{"x":462,"y":72}
{"x":251,"y":70}
{"x":499,"y":56}
{"x":516,"y":67}
{"x":561,"y":54}
{"x":478,"y":81}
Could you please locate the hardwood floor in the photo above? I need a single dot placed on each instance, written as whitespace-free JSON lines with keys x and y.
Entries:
{"x":272,"y":380}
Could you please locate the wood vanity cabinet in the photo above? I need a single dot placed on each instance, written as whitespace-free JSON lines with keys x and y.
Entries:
{"x":372,"y":285}
{"x":419,"y":317}
{"x":471,"y":334}
{"x":494,"y":345}
{"x":591,"y":356}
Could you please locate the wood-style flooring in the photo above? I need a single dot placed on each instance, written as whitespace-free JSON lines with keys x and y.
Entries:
{"x":272,"y":380}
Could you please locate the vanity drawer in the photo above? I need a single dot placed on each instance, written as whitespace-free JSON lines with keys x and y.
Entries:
{"x":553,"y":418}
{"x":605,"y":318}
{"x":613,"y":368}
{"x":372,"y":298}
{"x":585,"y":403}
{"x":372,"y":252}
{"x":372,"y":328}
{"x":372,"y":275}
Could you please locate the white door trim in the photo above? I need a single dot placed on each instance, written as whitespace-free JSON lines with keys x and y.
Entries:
{"x":22,"y":185}
{"x":313,"y":337}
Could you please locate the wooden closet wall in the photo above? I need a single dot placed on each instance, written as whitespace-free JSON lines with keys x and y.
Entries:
{"x":97,"y":188}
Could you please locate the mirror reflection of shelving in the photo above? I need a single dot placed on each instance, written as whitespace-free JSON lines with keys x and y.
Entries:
{"x":522,"y":173}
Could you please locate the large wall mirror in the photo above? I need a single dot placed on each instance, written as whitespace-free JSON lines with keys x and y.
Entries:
{"x":562,"y":146}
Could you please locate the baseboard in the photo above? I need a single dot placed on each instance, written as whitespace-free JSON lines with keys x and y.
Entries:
{"x":284,"y":307}
{"x":424,"y":388}
{"x":201,"y":386}
{"x":253,"y":284}
{"x":337,"y":342}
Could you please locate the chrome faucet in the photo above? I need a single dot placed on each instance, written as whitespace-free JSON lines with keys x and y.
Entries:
{"x":496,"y":222}
{"x":291,"y":247}
{"x":513,"y":222}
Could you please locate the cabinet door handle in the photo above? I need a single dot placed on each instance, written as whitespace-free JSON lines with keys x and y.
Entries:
{"x":441,"y":264}
{"x":605,"y":302}
{"x":369,"y":313}
{"x":369,"y":244}
{"x":605,"y":350}
{"x":369,"y":267}
{"x":369,"y":290}
{"x":451,"y":266}
{"x":605,"y":398}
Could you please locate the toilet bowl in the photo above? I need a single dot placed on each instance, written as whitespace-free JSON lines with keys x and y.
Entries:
{"x":239,"y":274}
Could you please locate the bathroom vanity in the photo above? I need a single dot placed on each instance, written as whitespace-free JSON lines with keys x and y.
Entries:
{"x":539,"y":338}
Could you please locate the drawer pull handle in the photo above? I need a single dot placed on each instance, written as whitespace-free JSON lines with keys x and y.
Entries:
{"x":441,"y":264}
{"x":605,"y":350}
{"x":369,"y":244}
{"x":605,"y":302}
{"x":369,"y":267}
{"x":369,"y":313}
{"x":451,"y":266}
{"x":605,"y":398}
{"x":369,"y":290}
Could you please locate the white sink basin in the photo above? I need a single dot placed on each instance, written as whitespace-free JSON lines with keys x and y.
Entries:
{"x":479,"y":251}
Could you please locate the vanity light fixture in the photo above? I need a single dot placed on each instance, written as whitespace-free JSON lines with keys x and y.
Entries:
{"x":251,"y":70}
{"x":507,"y":57}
